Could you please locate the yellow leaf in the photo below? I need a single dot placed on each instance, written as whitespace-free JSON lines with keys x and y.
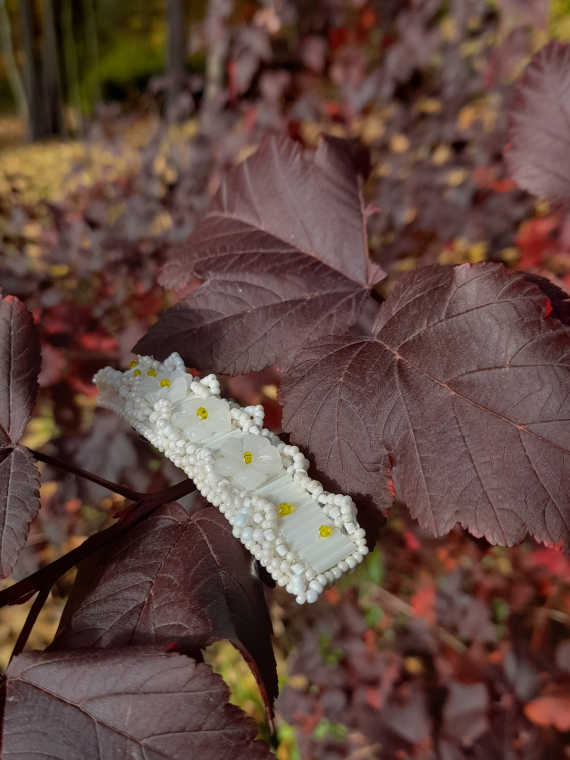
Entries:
{"x":457,"y":177}
{"x":428,"y":105}
{"x":449,"y":29}
{"x":399,"y":143}
{"x":441,"y":155}
{"x":372,"y":128}
{"x":477,"y":252}
{"x":270,"y":391}
{"x":246,"y":153}
{"x":414,"y":665}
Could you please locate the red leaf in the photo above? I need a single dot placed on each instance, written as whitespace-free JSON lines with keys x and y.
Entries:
{"x":552,"y":559}
{"x":550,"y":711}
{"x":535,"y":240}
{"x":464,"y":388}
{"x":144,"y":590}
{"x":131,"y":703}
{"x":539,"y":124}
{"x":423,"y":603}
{"x":284,"y":257}
{"x":98,"y":341}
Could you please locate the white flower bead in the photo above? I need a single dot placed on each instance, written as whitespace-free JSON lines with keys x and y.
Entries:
{"x":200,"y":418}
{"x":249,"y":461}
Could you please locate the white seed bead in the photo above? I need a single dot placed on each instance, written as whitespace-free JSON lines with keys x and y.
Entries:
{"x":312,"y":596}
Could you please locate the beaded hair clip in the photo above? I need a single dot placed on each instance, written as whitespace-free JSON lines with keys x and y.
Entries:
{"x":306,"y":537}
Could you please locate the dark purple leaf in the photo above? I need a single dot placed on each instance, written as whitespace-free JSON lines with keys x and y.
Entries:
{"x":410,"y":720}
{"x":20,"y":353}
{"x":19,"y":483}
{"x":175,"y":578}
{"x":464,"y":388}
{"x":538,"y":155}
{"x":465,"y":714}
{"x":19,"y":503}
{"x":134,"y":703}
{"x":284,"y":257}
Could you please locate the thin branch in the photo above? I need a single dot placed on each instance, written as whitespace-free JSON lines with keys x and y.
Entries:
{"x":385,"y":598}
{"x":128,"y":493}
{"x":35,"y":610}
{"x":45,"y":577}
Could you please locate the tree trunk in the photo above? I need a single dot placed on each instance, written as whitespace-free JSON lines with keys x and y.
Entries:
{"x":176,"y":56}
{"x":51,"y":80}
{"x":31,"y":74}
{"x":42,"y":83}
{"x":71,"y":67}
{"x":92,"y":49}
{"x":7,"y":47}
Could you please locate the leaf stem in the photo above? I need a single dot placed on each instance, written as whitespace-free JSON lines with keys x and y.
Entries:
{"x":35,"y":610}
{"x":128,"y":493}
{"x":45,"y":577}
{"x":376,"y":296}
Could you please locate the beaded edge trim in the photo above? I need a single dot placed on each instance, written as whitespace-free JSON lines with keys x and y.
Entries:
{"x":119,"y":392}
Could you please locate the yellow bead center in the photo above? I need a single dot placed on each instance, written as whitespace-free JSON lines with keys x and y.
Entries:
{"x":134,"y":363}
{"x":247,"y":457}
{"x":151,"y":373}
{"x":201,"y":413}
{"x":164,"y":383}
{"x":325,"y":531}
{"x":137,"y":372}
{"x":285,"y":509}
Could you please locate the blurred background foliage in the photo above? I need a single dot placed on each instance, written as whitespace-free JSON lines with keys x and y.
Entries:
{"x":118,"y":121}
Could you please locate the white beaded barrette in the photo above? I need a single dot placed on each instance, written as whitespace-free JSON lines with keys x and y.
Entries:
{"x":306,"y":537}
